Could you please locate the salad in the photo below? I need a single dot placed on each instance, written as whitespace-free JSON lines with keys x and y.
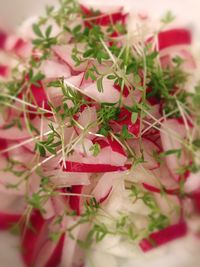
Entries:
{"x":99,"y":134}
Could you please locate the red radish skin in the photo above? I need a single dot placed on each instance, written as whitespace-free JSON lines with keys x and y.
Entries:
{"x":125,"y":91}
{"x":8,"y":220}
{"x":40,"y":95}
{"x":124,"y":118}
{"x":104,"y":19}
{"x":31,"y":237}
{"x":3,"y":37}
{"x":93,"y":168}
{"x":106,"y":142}
{"x":196,"y":200}
{"x":174,"y":37}
{"x":3,"y":71}
{"x":154,"y":189}
{"x":106,"y":196}
{"x":75,"y":201}
{"x":164,"y":236}
{"x":57,"y":254}
{"x":3,"y":144}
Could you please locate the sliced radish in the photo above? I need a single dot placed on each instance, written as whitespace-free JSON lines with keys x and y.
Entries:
{"x":32,"y":238}
{"x":195,"y":196}
{"x":57,"y":254}
{"x":124,"y":118}
{"x":4,"y":70}
{"x":14,"y":133}
{"x":109,"y":94}
{"x":64,"y":179}
{"x":92,"y":168}
{"x":40,"y":95}
{"x":75,"y":201}
{"x":88,"y":117}
{"x":3,"y":144}
{"x":73,"y":255}
{"x":103,"y":18}
{"x":8,"y":220}
{"x":64,"y":52}
{"x":172,"y":134}
{"x":192,"y":182}
{"x":154,"y":189}
{"x":3,"y":37}
{"x":148,"y":148}
{"x":104,"y":186}
{"x":164,"y":236}
{"x":52,"y":69}
{"x":174,"y":37}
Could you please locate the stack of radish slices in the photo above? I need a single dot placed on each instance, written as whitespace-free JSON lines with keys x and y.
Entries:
{"x":99,"y":134}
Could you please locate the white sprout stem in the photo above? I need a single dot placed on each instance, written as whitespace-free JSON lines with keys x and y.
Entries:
{"x":160,"y":120}
{"x":26,"y":103}
{"x":45,"y":161}
{"x":185,"y":121}
{"x":26,"y":141}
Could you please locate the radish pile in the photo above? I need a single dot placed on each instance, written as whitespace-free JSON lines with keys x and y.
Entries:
{"x":99,"y":133}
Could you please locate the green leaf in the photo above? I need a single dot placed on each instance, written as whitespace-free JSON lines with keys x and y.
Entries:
{"x":95,"y":149}
{"x":88,"y":53}
{"x":48,"y":31}
{"x":168,"y":18}
{"x":170,"y":152}
{"x":40,"y":148}
{"x":37,"y":30}
{"x":51,"y":150}
{"x":100,"y":84}
{"x":77,"y":29}
{"x":111,"y":77}
{"x":134,"y":117}
{"x":196,"y":143}
{"x":125,"y":134}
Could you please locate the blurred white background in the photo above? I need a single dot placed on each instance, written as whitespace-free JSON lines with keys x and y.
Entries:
{"x":12,"y":13}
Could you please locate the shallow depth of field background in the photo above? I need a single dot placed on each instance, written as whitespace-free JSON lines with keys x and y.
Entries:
{"x":12,"y":12}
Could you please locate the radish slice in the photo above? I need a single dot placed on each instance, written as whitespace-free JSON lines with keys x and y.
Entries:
{"x":4,"y":70}
{"x":171,"y":132}
{"x":88,"y":117}
{"x":104,"y":186}
{"x":174,"y":37}
{"x":40,"y":96}
{"x":195,"y":196}
{"x":3,"y":37}
{"x":8,"y":220}
{"x":164,"y":236}
{"x":92,"y":168}
{"x":32,"y":238}
{"x":192,"y":182}
{"x":109,"y":94}
{"x":154,"y":189}
{"x":64,"y":179}
{"x":115,"y":16}
{"x":14,"y":133}
{"x":52,"y":69}
{"x":57,"y":254}
{"x":124,"y":118}
{"x":35,"y":240}
{"x":64,"y":53}
{"x":75,"y":201}
{"x":73,"y":255}
{"x":38,"y":249}
{"x":149,"y":147}
{"x":116,"y":147}
{"x":3,"y":144}
{"x":49,"y":253}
